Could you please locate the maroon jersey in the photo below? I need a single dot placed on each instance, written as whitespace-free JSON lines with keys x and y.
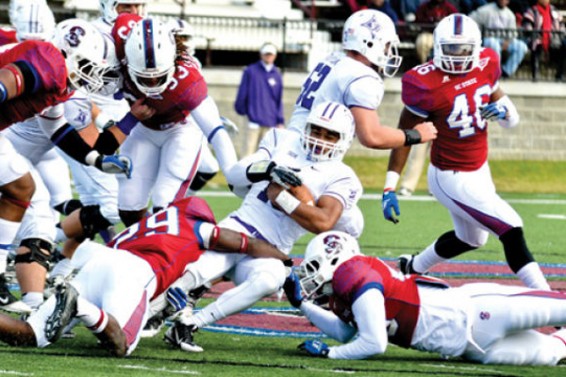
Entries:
{"x":186,"y":91}
{"x":355,"y":276}
{"x":48,"y":65}
{"x":168,"y":240}
{"x":452,"y":103}
{"x":7,"y":36}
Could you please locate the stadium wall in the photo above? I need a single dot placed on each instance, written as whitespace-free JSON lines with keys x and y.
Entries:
{"x":541,"y":134}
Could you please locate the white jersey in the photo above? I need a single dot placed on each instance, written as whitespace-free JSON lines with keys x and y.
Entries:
{"x":338,"y":78}
{"x":78,"y":109}
{"x":332,"y":178}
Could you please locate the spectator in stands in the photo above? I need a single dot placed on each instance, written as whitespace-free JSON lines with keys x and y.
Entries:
{"x":499,"y":27}
{"x":260,"y":98}
{"x":405,"y":9}
{"x":468,"y":6}
{"x":547,"y":37}
{"x":428,"y":15}
{"x":385,"y":7}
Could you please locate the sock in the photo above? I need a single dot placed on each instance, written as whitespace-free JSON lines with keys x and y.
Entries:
{"x":91,"y":315}
{"x":3,"y":259}
{"x":532,"y":276}
{"x":33,"y":299}
{"x":63,"y":268}
{"x":426,"y":259}
{"x":7,"y":236}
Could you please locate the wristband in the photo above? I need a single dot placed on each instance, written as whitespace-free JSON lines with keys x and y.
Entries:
{"x":3,"y":92}
{"x":244,"y":244}
{"x":92,"y":157}
{"x":287,"y":202}
{"x":17,"y":77}
{"x":127,"y":123}
{"x":412,"y":137}
{"x":391,"y":179}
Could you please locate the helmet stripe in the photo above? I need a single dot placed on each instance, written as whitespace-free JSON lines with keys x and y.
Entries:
{"x":458,"y":24}
{"x":330,"y":108}
{"x":147,"y":28}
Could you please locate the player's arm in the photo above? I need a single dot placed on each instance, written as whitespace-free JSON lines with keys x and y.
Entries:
{"x":369,"y":312}
{"x":225,"y":240}
{"x":372,"y":134}
{"x":16,"y":79}
{"x":315,"y":218}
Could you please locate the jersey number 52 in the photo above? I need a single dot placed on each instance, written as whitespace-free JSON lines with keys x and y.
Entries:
{"x":311,"y":85}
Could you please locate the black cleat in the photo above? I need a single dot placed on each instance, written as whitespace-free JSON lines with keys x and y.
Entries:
{"x":181,"y":336}
{"x":153,"y":326}
{"x":9,"y":302}
{"x":65,"y":309}
{"x":405,"y":264}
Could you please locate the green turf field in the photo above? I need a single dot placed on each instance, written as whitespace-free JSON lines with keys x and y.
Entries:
{"x":238,"y":355}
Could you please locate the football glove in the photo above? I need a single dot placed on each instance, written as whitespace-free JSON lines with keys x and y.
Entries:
{"x":266,"y":170}
{"x":177,"y":298}
{"x":390,"y":204}
{"x":493,"y":111}
{"x":314,"y":348}
{"x":292,"y":288}
{"x":114,"y":164}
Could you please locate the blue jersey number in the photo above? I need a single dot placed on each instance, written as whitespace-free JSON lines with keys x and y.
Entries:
{"x":311,"y":85}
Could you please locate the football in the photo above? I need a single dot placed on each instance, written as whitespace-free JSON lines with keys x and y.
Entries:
{"x":300,"y":192}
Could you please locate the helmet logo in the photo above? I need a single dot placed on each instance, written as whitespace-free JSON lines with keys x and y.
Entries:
{"x":372,"y":25}
{"x":331,"y":243}
{"x":73,"y":37}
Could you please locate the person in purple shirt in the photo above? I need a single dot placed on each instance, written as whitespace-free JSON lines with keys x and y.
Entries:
{"x":260,"y":98}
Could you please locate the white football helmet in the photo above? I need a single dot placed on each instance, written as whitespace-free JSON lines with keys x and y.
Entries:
{"x":457,"y":44}
{"x":33,"y":19}
{"x":324,"y":254}
{"x":372,"y":34}
{"x":112,"y":77}
{"x":150,"y":52}
{"x":333,"y":117}
{"x":85,"y":51}
{"x":108,"y":8}
{"x":183,"y":33}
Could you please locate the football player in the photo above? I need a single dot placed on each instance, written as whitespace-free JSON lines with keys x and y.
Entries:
{"x":271,"y":212}
{"x":354,"y":78}
{"x":35,"y":78}
{"x":110,"y":294}
{"x":372,"y":304}
{"x":165,"y":144}
{"x":459,"y":91}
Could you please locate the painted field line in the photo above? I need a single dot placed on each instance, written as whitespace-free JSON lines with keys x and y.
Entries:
{"x":14,"y":373}
{"x":164,"y":370}
{"x":413,"y":198}
{"x":551,"y":216}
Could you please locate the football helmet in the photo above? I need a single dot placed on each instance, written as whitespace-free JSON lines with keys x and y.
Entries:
{"x":85,"y":52}
{"x":108,"y":8}
{"x":32,"y":19}
{"x":324,"y":254}
{"x":333,"y":117}
{"x":457,"y":44}
{"x":183,"y":33}
{"x":150,"y":52}
{"x":112,"y":77}
{"x":372,"y":34}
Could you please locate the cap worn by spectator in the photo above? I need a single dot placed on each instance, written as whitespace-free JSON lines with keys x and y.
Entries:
{"x":268,"y":48}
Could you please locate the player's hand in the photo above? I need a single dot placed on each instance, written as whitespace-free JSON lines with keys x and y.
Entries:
{"x":493,"y":111}
{"x":292,"y":288}
{"x":177,"y":298}
{"x":115,"y":164}
{"x":266,"y":170}
{"x":140,"y":110}
{"x":230,"y":126}
{"x":314,"y":348}
{"x":427,"y":131}
{"x":390,"y":204}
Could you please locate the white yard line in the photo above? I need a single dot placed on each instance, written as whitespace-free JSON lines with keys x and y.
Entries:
{"x":165,"y":370}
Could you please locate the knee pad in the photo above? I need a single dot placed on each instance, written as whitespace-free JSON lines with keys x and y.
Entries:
{"x":36,"y":255}
{"x":92,"y":221}
{"x":68,"y":206}
{"x":200,"y":180}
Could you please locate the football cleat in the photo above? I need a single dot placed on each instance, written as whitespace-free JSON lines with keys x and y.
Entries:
{"x":405,"y":264}
{"x":153,"y":326}
{"x":9,"y":302}
{"x":181,"y":336}
{"x":65,"y":309}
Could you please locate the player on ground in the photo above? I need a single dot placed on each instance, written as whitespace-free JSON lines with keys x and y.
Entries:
{"x":355,"y":79}
{"x":110,"y":294}
{"x":372,"y":304}
{"x":459,"y":91}
{"x":329,"y":193}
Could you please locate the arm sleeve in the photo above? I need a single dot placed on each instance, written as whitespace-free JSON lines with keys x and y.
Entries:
{"x":328,"y":322}
{"x":369,"y":312}
{"x":362,"y":93}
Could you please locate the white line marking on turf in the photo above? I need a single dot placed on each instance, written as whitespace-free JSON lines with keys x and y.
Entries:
{"x":173,"y":371}
{"x":332,"y":371}
{"x":471,"y":368}
{"x":15,"y":373}
{"x":413,"y":198}
{"x":551,"y":217}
